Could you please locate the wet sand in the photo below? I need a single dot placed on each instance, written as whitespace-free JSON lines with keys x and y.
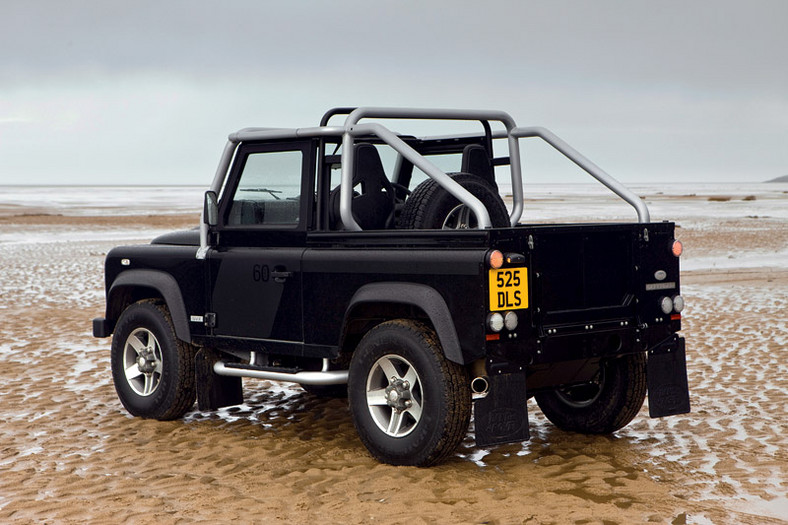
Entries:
{"x":69,"y":453}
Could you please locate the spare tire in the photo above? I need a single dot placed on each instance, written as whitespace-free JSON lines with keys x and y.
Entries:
{"x":430,"y":206}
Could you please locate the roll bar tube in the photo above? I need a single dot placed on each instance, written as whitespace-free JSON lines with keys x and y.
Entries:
{"x":588,"y":166}
{"x":478,"y":209}
{"x":352,"y":129}
{"x":390,"y":138}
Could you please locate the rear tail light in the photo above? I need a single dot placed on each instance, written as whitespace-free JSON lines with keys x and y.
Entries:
{"x":678,"y":303}
{"x":495,"y":322}
{"x":510,"y":321}
{"x":676,"y":248}
{"x":495,"y":259}
{"x":666,"y":304}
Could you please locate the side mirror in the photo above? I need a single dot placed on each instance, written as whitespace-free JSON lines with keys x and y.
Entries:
{"x":210,"y":212}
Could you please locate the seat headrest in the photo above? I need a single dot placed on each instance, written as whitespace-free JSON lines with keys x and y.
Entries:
{"x":367,"y":163}
{"x":476,"y":162}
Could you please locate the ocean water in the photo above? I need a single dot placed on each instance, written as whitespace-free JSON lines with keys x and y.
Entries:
{"x":103,"y":200}
{"x":670,"y":201}
{"x":693,"y":205}
{"x":542,"y":201}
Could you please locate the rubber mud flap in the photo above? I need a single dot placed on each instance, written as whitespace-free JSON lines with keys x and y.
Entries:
{"x":215,"y":391}
{"x":502,"y":416}
{"x":668,"y":392}
{"x":102,"y":327}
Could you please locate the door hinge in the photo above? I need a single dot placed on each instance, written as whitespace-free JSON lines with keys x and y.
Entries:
{"x":210,"y":320}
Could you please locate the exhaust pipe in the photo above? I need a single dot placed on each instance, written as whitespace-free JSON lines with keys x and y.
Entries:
{"x":328,"y":377}
{"x":480,"y":385}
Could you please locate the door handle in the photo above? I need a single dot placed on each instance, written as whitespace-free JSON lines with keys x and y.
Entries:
{"x":280,"y":276}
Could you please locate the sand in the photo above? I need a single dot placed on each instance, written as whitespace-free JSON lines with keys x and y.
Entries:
{"x":69,"y":453}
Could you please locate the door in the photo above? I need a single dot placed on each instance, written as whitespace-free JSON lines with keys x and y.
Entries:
{"x":255,"y":270}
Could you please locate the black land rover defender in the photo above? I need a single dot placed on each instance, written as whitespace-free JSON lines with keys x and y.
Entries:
{"x":409,"y":288}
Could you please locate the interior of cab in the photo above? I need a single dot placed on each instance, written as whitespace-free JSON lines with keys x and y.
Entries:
{"x":383,"y":181}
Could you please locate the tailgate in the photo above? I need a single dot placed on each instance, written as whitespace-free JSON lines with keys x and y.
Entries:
{"x":584,"y":274}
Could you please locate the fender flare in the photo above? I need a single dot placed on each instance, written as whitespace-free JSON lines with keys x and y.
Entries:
{"x":165,"y":284}
{"x":421,"y":296}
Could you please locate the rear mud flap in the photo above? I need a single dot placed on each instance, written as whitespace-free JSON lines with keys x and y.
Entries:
{"x":502,"y":416}
{"x":668,"y":393}
{"x":215,"y":391}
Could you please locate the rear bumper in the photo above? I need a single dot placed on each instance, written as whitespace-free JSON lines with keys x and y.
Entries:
{"x":102,"y":327}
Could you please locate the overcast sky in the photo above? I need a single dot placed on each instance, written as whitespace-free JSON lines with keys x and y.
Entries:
{"x":119,"y":92}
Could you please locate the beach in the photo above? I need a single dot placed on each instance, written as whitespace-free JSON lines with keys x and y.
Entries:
{"x":70,"y":453}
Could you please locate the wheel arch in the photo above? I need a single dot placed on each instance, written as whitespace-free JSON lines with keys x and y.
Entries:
{"x":398,"y":299}
{"x":134,"y":285}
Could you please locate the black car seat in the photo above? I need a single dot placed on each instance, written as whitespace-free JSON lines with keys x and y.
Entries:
{"x":373,"y":195}
{"x":476,"y":161}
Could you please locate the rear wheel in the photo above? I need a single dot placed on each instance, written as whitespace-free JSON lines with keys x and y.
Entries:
{"x":152,"y":369}
{"x":410,"y":405}
{"x":604,"y":405}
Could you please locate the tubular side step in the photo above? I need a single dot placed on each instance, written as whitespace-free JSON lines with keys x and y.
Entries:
{"x":258,"y":368}
{"x":331,"y":377}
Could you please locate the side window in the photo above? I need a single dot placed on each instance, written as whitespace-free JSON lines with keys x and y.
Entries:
{"x":269,"y":189}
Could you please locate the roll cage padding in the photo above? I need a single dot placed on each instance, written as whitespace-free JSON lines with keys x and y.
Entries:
{"x":163,"y":283}
{"x":421,"y":296}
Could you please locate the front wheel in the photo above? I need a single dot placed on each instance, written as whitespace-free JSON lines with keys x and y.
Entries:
{"x":604,"y":405}
{"x":152,"y":369}
{"x":410,"y":405}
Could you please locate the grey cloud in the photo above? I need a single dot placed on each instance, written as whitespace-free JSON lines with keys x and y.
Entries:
{"x":678,"y":85}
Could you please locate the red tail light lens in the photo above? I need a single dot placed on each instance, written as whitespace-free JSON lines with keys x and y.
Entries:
{"x":677,"y":248}
{"x":495,"y":259}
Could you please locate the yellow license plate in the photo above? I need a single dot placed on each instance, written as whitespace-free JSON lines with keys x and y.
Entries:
{"x":508,"y":289}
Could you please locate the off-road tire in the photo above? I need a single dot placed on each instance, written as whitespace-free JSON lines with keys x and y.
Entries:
{"x":439,"y":390}
{"x":168,"y":391}
{"x":609,"y":406}
{"x":429,"y":205}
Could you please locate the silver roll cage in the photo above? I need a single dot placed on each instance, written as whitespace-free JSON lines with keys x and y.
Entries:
{"x":352,"y":128}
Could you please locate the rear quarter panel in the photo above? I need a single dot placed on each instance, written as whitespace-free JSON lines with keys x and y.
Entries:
{"x":332,"y":276}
